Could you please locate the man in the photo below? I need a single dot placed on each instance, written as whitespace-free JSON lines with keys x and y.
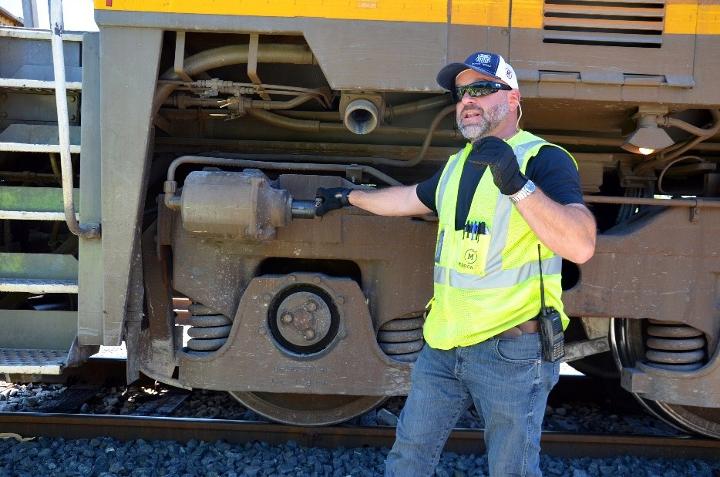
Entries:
{"x":498,"y":198}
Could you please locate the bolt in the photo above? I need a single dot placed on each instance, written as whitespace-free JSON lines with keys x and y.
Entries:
{"x":311,"y":305}
{"x":340,"y":300}
{"x":287,"y":318}
{"x":309,"y":334}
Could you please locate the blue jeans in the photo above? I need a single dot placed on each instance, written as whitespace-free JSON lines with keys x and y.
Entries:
{"x":508,"y":382}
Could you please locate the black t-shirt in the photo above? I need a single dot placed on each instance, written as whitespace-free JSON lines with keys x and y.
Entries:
{"x":551,"y":169}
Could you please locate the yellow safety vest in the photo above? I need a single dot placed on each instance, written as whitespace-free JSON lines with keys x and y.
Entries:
{"x":487,"y":283}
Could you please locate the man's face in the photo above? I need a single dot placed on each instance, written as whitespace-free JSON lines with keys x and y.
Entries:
{"x":480,"y":117}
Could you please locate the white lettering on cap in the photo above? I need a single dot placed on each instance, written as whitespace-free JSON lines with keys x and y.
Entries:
{"x":483,"y":58}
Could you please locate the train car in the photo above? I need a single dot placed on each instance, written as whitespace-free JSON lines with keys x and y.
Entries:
{"x":201,"y":131}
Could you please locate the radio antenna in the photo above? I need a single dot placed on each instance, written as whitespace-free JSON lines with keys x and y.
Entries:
{"x":542,"y":285}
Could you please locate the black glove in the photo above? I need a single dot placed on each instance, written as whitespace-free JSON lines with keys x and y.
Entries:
{"x":330,"y":199}
{"x":499,"y":157}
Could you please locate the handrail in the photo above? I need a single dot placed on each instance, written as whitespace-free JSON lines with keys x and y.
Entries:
{"x":88,"y":231}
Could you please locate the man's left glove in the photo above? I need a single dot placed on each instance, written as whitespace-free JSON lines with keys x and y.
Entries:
{"x":499,"y":157}
{"x":330,"y":199}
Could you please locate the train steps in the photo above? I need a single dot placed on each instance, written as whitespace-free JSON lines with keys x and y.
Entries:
{"x":38,"y":340}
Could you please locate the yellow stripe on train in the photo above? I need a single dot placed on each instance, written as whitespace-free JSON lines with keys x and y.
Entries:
{"x":688,"y":17}
{"x":428,"y":11}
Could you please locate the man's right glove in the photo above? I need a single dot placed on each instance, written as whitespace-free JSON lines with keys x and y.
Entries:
{"x":499,"y":157}
{"x":330,"y":199}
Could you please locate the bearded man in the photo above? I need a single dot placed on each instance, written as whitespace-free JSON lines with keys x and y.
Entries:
{"x":505,"y":197}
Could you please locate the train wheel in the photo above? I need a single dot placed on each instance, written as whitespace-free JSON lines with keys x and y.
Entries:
{"x":631,"y":344}
{"x":307,"y":409}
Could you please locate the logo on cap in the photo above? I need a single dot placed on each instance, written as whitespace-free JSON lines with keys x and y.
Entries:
{"x":483,"y":58}
{"x":508,"y":73}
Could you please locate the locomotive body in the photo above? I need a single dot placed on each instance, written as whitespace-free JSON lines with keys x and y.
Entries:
{"x":207,"y":127}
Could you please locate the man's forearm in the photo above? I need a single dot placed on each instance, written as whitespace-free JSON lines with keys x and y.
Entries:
{"x":568,"y":230}
{"x":391,"y":201}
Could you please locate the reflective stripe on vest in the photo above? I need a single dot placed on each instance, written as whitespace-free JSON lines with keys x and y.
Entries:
{"x":499,"y":279}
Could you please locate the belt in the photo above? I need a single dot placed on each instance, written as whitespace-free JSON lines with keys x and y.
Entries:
{"x":530,"y":326}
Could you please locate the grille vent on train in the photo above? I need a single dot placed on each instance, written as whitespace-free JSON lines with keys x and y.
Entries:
{"x":636,"y":23}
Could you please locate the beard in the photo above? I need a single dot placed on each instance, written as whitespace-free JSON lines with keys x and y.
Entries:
{"x":491,"y":119}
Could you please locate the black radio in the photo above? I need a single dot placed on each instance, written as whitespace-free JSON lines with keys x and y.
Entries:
{"x":551,"y":331}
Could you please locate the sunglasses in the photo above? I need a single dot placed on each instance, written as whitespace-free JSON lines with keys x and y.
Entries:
{"x":478,"y":89}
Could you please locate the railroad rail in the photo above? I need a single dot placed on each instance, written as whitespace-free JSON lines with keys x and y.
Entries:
{"x":80,"y":426}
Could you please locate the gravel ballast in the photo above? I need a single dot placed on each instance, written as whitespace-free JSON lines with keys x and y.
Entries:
{"x":105,"y":457}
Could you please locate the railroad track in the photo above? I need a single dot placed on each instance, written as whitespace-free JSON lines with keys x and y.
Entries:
{"x":464,"y":441}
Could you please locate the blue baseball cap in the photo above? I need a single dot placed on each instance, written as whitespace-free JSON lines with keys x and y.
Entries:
{"x":484,"y":62}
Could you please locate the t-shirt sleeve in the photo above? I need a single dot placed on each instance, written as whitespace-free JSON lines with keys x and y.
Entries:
{"x":425,"y":190}
{"x":554,"y":172}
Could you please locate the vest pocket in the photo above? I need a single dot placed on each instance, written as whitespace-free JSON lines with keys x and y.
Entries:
{"x":471,"y":254}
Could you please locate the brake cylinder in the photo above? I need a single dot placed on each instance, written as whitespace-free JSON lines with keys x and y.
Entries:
{"x":241,"y":205}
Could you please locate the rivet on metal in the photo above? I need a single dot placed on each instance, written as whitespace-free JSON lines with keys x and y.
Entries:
{"x":340,"y":300}
{"x":311,"y":305}
{"x":287,"y":318}
{"x":309,"y":334}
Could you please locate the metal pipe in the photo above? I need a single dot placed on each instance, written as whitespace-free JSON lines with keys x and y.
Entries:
{"x":706,"y":134}
{"x":667,"y":121}
{"x":607,"y":141}
{"x":170,"y":186}
{"x":184,"y":101}
{"x":289,"y":104}
{"x":87,"y":231}
{"x":691,"y":203}
{"x":308,"y":125}
{"x":303,"y":209}
{"x":428,"y":138}
{"x":317,"y":126}
{"x":302,"y":125}
{"x":416,"y":106}
{"x":317,"y":115}
{"x":391,"y":112}
{"x":361,"y":116}
{"x":232,"y":55}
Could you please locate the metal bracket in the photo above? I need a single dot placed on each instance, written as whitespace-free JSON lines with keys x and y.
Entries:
{"x":581,"y":349}
{"x":179,"y":64}
{"x":695,"y":213}
{"x":252,"y":65}
{"x":354,"y":173}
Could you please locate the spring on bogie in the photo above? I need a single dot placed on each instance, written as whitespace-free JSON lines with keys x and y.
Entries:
{"x":402,"y":338}
{"x":675,"y":346}
{"x":208,"y":331}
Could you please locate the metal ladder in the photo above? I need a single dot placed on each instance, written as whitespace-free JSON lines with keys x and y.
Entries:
{"x":35,"y":341}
